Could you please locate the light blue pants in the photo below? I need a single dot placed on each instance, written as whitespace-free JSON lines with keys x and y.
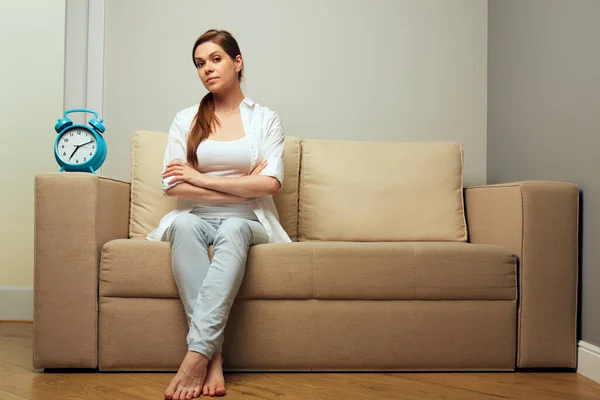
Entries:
{"x":207,"y":289}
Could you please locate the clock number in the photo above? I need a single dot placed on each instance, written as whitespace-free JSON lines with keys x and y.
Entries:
{"x":64,"y":154}
{"x":90,"y":154}
{"x":79,"y":132}
{"x":77,"y":161}
{"x":93,"y":147}
{"x":63,"y":146}
{"x":71,"y":134}
{"x":84,"y":159}
{"x":66,"y":140}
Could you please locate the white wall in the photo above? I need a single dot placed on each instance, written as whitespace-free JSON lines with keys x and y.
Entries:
{"x":381,"y":70}
{"x":31,"y":83}
{"x":76,"y":58}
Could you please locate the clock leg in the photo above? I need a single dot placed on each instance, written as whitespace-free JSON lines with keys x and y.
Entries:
{"x":61,"y":169}
{"x":91,"y":170}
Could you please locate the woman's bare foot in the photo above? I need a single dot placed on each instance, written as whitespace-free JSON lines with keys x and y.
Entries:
{"x":188,"y":381}
{"x":215,"y":382}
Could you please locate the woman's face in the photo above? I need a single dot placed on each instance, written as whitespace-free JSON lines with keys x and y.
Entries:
{"x":217,"y":71}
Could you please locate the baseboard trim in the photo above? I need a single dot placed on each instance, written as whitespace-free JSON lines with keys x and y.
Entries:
{"x":16,"y":303}
{"x":588,"y":363}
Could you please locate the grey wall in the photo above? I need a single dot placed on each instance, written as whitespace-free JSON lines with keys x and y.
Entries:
{"x":381,"y":70}
{"x":544,"y":112}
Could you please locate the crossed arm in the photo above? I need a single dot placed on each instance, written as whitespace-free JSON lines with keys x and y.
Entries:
{"x":196,"y":186}
{"x":191,"y":184}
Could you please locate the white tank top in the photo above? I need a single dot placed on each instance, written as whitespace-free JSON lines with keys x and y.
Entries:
{"x":226,"y":159}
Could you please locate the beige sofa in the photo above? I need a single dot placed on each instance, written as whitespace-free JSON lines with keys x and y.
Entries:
{"x":394,"y":266}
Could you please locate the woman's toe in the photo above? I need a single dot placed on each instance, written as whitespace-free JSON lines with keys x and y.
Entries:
{"x":196,"y":392}
{"x":177,"y":394}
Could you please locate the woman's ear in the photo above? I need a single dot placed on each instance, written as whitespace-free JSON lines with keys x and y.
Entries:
{"x":238,"y":63}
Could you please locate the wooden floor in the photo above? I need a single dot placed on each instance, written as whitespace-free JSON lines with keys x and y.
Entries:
{"x":18,"y":381}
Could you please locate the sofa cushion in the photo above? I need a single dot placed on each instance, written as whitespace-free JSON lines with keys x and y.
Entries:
{"x":142,"y":268}
{"x":149,"y":205}
{"x":328,"y":270}
{"x":381,"y":191}
{"x":413,"y":271}
{"x":286,"y":201}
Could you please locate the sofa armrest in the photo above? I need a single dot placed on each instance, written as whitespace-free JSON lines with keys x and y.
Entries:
{"x":75,"y":214}
{"x":539,"y":221}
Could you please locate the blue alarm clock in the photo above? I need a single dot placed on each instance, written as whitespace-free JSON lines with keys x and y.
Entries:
{"x":79,"y":147}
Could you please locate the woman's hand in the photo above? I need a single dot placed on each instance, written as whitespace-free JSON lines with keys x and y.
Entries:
{"x":182,"y":172}
{"x":258,"y":169}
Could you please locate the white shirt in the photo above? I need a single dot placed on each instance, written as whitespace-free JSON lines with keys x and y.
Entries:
{"x":264,"y":130}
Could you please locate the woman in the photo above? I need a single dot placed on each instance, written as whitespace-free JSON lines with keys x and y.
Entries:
{"x":233,"y":152}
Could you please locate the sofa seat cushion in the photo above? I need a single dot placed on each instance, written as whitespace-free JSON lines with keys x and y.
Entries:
{"x":329,"y":270}
{"x":142,"y":268}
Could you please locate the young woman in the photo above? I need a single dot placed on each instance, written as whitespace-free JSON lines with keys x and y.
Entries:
{"x":224,"y":157}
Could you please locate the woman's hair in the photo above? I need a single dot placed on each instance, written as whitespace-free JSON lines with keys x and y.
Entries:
{"x":206,"y":119}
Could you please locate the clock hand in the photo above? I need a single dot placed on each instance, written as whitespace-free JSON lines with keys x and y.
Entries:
{"x":77,"y":146}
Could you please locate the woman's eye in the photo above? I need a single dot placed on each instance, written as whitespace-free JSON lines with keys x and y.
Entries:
{"x":217,"y":59}
{"x":198,"y":65}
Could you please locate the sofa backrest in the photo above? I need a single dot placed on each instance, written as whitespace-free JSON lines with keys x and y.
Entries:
{"x":381,"y":191}
{"x":336,"y":189}
{"x":148,"y":204}
{"x":286,"y":201}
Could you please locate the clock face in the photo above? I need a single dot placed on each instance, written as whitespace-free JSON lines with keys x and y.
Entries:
{"x":76,"y":146}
